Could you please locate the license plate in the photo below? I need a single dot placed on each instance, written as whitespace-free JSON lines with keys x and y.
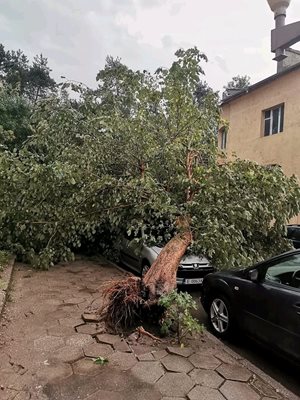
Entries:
{"x":194,"y":281}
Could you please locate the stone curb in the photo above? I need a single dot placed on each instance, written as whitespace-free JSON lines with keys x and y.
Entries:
{"x":255,"y":370}
{"x":6,"y":277}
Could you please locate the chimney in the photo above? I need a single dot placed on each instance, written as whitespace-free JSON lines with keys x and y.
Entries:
{"x":283,"y":36}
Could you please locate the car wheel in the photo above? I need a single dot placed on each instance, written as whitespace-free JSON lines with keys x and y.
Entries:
{"x":145,"y":268}
{"x":220,"y":316}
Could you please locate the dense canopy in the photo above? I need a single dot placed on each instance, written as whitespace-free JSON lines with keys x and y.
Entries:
{"x":136,"y":152}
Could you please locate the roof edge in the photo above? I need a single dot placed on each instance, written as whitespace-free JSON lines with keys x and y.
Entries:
{"x":261,"y":83}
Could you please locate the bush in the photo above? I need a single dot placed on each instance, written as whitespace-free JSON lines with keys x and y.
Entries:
{"x":177,"y":316}
{"x":4,"y":258}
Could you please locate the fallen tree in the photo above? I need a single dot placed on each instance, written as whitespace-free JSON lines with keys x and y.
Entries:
{"x":137,"y":152}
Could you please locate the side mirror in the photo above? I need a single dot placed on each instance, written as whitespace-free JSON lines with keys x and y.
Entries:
{"x":253,"y":275}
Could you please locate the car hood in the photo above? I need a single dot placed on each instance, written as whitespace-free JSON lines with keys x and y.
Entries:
{"x":186,"y":260}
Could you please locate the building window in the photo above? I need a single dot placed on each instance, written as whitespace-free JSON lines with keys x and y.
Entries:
{"x":273,"y":120}
{"x":223,"y":138}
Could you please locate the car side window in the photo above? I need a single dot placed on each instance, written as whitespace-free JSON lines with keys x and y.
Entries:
{"x":285,"y":272}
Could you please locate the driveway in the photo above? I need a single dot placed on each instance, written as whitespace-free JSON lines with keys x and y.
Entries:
{"x":47,"y":350}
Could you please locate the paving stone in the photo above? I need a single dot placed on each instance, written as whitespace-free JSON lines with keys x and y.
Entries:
{"x":202,"y":392}
{"x":75,"y":300}
{"x":70,"y":308}
{"x":174,"y":384}
{"x":204,"y":361}
{"x":234,"y":372}
{"x":175,"y":363}
{"x":68,"y":353}
{"x":225,"y":357}
{"x":140,"y":349}
{"x":54,"y":302}
{"x":85,"y":366}
{"x":105,"y":395}
{"x":265,"y":389}
{"x":173,"y":398}
{"x":183,"y":352}
{"x":60,"y":330}
{"x":268,"y":398}
{"x":140,"y":393}
{"x":48,"y":343}
{"x":74,"y":387}
{"x":145,"y":357}
{"x":238,"y":390}
{"x":53,"y":372}
{"x":148,"y":372}
{"x":158,"y":355}
{"x":73,"y":322}
{"x":90,"y":329}
{"x":78,"y":340}
{"x":122,"y":345}
{"x":207,"y":378}
{"x":107,"y":338}
{"x":24,"y":395}
{"x":124,"y":361}
{"x":97,"y":349}
{"x":208,"y":351}
{"x":91,"y":317}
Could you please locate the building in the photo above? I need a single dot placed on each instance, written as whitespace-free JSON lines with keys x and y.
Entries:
{"x":264,"y":121}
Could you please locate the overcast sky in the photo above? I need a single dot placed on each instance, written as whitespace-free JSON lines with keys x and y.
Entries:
{"x":76,"y":35}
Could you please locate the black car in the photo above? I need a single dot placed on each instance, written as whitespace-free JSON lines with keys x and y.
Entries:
{"x":263,"y":300}
{"x":293,"y":233}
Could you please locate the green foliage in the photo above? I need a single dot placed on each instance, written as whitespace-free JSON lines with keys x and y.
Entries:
{"x":32,"y":81}
{"x":177,"y":316}
{"x":14,"y":119}
{"x":4,"y":258}
{"x":138,"y":151}
{"x":101,"y":360}
{"x":238,"y":82}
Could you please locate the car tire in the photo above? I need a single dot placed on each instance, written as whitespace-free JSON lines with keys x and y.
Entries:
{"x":220,"y":316}
{"x":145,"y":268}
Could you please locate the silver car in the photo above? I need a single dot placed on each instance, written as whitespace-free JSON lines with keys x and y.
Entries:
{"x":191,"y":271}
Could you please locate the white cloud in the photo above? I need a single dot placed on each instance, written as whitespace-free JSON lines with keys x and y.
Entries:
{"x":76,"y":35}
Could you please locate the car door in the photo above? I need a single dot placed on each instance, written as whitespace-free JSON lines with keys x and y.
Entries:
{"x":271,"y":306}
{"x":131,"y":253}
{"x":293,"y":234}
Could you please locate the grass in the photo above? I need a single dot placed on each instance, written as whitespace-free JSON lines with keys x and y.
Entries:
{"x":4,"y":258}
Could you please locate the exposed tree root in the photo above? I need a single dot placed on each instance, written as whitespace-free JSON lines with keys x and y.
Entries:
{"x":133,"y":300}
{"x":141,"y":331}
{"x":125,"y":302}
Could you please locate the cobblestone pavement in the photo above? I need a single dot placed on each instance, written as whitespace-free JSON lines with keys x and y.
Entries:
{"x":47,"y":350}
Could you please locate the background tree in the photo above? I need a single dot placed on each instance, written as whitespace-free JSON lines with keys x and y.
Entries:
{"x":39,"y":82}
{"x":238,"y":82}
{"x":33,"y":81}
{"x":15,"y":114}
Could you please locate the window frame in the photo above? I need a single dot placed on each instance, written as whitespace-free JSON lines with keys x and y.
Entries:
{"x":280,"y":123}
{"x":223,"y":139}
{"x":265,"y":268}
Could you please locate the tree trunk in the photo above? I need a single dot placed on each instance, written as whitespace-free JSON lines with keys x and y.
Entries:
{"x":131,"y":299}
{"x":161,"y":277}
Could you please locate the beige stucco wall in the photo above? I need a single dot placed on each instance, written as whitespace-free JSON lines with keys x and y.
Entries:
{"x":245,"y":136}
